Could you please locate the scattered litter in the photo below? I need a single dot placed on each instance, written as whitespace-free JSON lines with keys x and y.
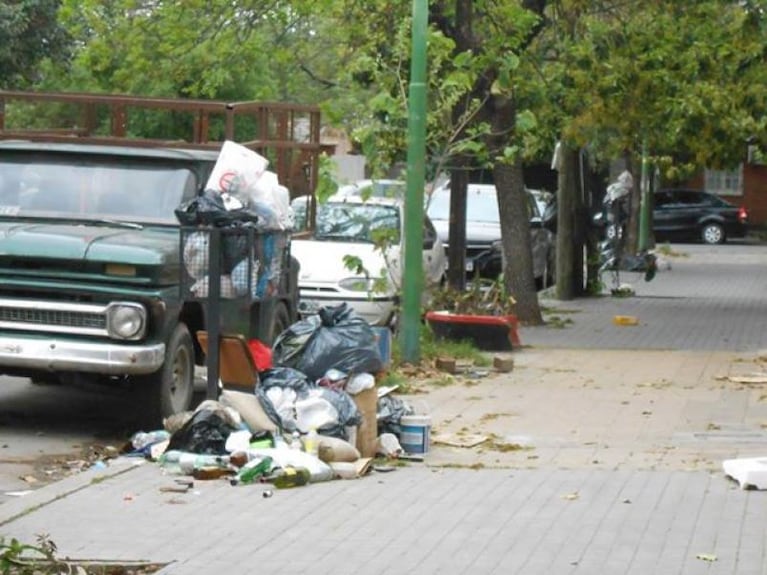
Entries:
{"x":463,"y":440}
{"x":410,"y":457}
{"x":18,"y":493}
{"x":31,"y":479}
{"x":446,"y":364}
{"x":749,"y":472}
{"x":571,"y":496}
{"x":503,"y":364}
{"x":747,"y":378}
{"x":174,"y":488}
{"x":383,"y":468}
{"x":706,"y":557}
{"x":267,"y":493}
{"x":625,"y":320}
{"x":386,"y":390}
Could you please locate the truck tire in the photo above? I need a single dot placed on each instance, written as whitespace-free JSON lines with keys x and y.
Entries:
{"x":170,"y":389}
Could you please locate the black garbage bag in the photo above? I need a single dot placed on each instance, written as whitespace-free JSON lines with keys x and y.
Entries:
{"x":336,"y":338}
{"x":284,"y":377}
{"x":208,"y":209}
{"x":206,"y":432}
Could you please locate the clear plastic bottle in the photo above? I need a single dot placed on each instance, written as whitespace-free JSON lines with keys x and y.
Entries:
{"x":312,"y":442}
{"x":279,"y":441}
{"x":295,"y":442}
{"x":185,"y":462}
{"x":142,"y":439}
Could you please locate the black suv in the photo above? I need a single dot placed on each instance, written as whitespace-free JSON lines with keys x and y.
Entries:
{"x":696,"y":215}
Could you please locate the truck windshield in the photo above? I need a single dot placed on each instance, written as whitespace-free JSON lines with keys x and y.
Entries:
{"x":105,"y":189}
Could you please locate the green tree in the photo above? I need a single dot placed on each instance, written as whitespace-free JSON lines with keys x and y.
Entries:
{"x":474,"y":120}
{"x":684,"y":78}
{"x":29,"y":32}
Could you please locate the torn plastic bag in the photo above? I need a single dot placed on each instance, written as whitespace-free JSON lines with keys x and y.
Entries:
{"x":336,"y":338}
{"x":206,"y":432}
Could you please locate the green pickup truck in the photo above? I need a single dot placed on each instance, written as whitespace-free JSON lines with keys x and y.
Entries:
{"x":91,"y":261}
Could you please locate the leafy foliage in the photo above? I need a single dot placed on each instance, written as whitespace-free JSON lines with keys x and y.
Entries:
{"x":29,"y":32}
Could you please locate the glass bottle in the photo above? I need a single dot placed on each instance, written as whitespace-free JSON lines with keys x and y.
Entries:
{"x":290,"y":477}
{"x":252,"y":470}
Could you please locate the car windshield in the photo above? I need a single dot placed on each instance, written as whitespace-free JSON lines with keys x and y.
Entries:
{"x":480,"y":206}
{"x":99,"y":189}
{"x":356,"y":222}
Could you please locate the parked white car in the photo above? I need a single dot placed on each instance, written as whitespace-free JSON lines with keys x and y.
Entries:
{"x":351,"y":226}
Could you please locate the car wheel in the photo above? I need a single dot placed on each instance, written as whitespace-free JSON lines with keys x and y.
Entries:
{"x":170,"y":389}
{"x":712,"y":233}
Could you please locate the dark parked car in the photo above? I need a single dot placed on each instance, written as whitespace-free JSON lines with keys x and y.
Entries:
{"x":696,"y":215}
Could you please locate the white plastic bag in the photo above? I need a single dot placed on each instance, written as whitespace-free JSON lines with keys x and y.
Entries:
{"x":236,"y":170}
{"x":271,"y":201}
{"x":315,"y":412}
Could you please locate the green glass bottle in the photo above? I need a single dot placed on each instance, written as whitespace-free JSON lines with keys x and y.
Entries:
{"x":290,"y":477}
{"x":252,"y":470}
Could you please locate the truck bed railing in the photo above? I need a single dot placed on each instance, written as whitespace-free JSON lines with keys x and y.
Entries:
{"x":287,"y":134}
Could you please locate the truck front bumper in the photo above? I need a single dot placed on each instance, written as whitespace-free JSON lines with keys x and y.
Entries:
{"x":67,"y":355}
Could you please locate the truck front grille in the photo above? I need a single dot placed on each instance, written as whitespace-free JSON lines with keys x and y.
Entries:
{"x":58,"y":317}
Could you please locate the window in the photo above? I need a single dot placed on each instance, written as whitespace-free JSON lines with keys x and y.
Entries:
{"x":724,"y":182}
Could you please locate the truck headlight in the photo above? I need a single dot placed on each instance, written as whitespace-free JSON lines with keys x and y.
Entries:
{"x":126,"y":320}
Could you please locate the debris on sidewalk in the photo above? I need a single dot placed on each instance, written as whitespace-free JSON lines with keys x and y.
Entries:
{"x":625,"y":320}
{"x":503,"y":364}
{"x":757,"y":378}
{"x":710,"y":557}
{"x":460,"y":440}
{"x":749,"y":472}
{"x":326,"y":420}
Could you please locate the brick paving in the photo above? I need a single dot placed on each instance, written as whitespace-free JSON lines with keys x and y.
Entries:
{"x":602,"y":456}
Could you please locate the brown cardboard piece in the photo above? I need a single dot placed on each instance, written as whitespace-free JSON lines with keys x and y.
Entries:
{"x":367,"y":432}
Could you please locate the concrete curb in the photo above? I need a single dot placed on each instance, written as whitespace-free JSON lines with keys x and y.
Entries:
{"x":15,"y":508}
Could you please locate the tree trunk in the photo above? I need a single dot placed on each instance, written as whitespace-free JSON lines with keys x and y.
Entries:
{"x":456,"y":253}
{"x":566,"y":227}
{"x":515,"y":219}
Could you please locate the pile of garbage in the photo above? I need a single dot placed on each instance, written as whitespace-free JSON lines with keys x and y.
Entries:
{"x":314,"y":415}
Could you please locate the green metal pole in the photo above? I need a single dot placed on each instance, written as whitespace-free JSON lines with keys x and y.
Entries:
{"x":644,"y":204}
{"x":412,"y":282}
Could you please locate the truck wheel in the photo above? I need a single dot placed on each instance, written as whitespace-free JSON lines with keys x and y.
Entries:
{"x":169,"y":390}
{"x":280,"y":322}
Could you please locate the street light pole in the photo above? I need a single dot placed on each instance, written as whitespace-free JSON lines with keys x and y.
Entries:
{"x":412,"y":282}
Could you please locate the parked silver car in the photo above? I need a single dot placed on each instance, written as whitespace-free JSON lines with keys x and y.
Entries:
{"x":483,"y":230}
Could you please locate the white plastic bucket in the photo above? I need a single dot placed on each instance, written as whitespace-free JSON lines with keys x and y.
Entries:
{"x":415,"y":433}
